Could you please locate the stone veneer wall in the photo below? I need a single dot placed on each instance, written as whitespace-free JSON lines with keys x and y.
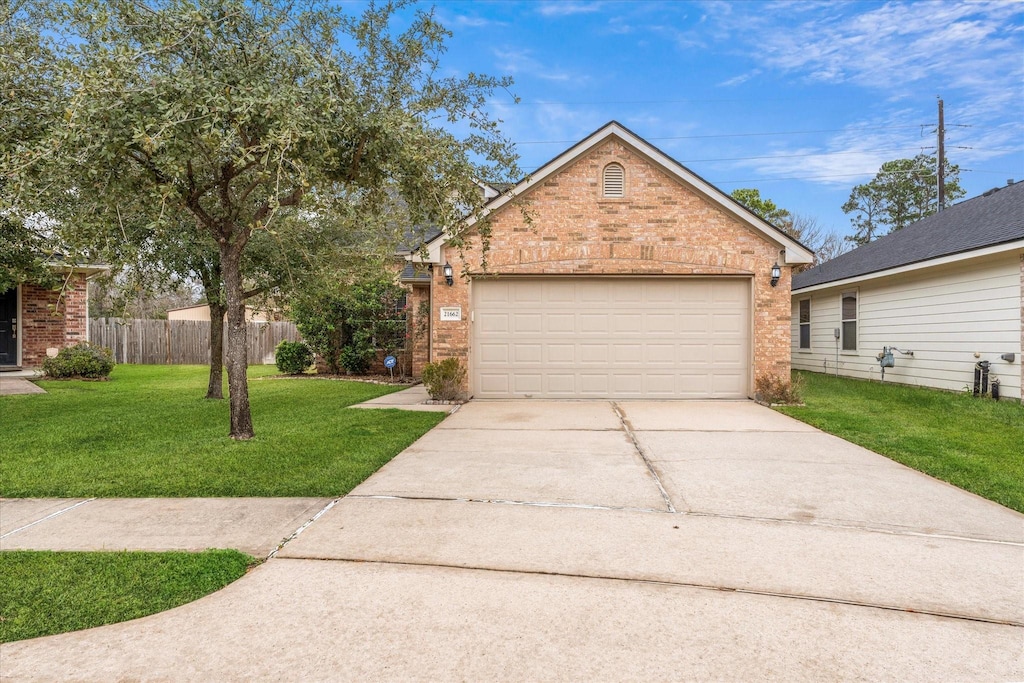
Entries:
{"x":48,"y":320}
{"x":660,"y":228}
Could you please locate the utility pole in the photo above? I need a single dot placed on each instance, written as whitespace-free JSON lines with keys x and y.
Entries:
{"x":941,"y":171}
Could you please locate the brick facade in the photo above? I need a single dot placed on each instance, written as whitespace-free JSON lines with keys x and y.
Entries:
{"x":49,"y":320}
{"x":660,"y":227}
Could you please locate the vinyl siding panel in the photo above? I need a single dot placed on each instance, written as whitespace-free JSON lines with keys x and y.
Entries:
{"x":944,"y":315}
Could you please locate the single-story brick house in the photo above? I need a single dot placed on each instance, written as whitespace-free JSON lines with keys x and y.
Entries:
{"x":37,"y":321}
{"x":633,"y":278}
{"x":948,"y":288}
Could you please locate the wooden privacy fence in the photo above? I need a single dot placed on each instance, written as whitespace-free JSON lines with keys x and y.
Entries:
{"x":181,"y":342}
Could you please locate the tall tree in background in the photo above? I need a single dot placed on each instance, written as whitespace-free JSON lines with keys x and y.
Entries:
{"x":902,"y":192}
{"x":825,"y":244}
{"x":247,"y":115}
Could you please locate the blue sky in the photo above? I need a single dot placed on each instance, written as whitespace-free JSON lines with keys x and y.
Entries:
{"x":802,"y":100}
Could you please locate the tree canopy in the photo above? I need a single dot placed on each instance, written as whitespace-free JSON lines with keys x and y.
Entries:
{"x":247,"y":125}
{"x":825,"y":244}
{"x":902,"y":192}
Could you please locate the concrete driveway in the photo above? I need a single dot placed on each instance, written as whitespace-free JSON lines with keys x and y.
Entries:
{"x":605,"y":541}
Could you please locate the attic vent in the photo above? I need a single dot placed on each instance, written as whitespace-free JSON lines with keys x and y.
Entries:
{"x":614,"y":181}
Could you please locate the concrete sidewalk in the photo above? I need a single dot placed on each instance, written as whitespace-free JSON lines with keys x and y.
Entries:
{"x":256,"y":526}
{"x":12,"y":386}
{"x":541,"y":540}
{"x":413,"y":398}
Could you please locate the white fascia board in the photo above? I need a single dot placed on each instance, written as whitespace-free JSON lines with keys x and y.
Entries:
{"x":90,"y":269}
{"x":920,"y":265}
{"x":795,"y":253}
{"x":433,"y":251}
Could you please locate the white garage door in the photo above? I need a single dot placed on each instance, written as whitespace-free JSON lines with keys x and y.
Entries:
{"x":611,"y":338}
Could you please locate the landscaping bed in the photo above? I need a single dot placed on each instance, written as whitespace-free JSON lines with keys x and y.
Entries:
{"x":974,"y":443}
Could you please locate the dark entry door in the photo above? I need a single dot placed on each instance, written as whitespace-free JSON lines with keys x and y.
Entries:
{"x":9,"y":327}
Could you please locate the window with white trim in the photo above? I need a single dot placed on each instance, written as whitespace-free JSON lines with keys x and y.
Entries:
{"x":805,"y":323}
{"x":849,"y":318}
{"x":614,"y":181}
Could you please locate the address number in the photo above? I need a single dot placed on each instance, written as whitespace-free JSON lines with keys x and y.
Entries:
{"x":451,"y":313}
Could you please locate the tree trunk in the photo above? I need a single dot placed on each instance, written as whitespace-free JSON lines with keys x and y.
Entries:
{"x":238,"y":387}
{"x":215,"y":389}
{"x":210,"y":274}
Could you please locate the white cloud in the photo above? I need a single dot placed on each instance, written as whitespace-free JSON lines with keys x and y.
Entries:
{"x":565,"y":8}
{"x":513,"y":62}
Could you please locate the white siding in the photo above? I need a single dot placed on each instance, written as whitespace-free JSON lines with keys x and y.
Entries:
{"x":944,"y":315}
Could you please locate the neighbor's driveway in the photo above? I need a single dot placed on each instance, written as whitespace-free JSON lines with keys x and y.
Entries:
{"x":606,"y":541}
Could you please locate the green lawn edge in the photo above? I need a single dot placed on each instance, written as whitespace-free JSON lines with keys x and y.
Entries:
{"x":976,"y":444}
{"x":149,"y":432}
{"x":44,"y":592}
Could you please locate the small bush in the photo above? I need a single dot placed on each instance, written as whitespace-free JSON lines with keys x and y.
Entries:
{"x":83,"y":360}
{"x":293,"y":358}
{"x":356,"y":358}
{"x":444,"y":379}
{"x":775,"y":389}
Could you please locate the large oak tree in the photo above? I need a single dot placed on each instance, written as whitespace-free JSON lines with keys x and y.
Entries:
{"x":246,"y":116}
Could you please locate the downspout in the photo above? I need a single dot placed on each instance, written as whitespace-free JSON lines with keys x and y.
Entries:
{"x":430,"y":318}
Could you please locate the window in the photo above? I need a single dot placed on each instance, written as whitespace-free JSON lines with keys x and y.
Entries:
{"x":614,"y":181}
{"x":849,"y":312}
{"x":805,"y":323}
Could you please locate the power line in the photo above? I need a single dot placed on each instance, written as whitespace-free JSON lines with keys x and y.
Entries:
{"x":730,"y":135}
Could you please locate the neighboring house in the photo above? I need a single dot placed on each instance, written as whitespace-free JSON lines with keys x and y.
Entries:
{"x":202,"y":312}
{"x":36,"y":322}
{"x":949,"y":288}
{"x":633,"y":278}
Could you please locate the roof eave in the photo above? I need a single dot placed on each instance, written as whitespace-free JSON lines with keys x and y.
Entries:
{"x":916,"y":265}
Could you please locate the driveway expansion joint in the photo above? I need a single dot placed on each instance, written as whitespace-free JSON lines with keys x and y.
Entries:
{"x":669,"y":584}
{"x":305,"y":525}
{"x":628,"y":428}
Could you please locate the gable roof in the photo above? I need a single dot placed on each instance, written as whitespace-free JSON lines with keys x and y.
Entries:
{"x":796,"y":253}
{"x":994,"y":218}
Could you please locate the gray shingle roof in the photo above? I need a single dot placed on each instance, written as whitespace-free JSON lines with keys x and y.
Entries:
{"x":410,"y":273}
{"x":995,"y":217}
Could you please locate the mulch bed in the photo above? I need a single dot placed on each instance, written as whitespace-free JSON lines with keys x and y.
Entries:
{"x":369,"y":379}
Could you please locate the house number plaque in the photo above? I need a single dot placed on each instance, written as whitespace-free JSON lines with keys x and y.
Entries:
{"x":451,"y":313}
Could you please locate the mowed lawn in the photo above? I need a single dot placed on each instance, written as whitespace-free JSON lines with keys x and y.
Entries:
{"x":149,"y":432}
{"x":974,"y":443}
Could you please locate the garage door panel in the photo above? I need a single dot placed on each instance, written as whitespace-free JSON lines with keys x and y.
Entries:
{"x":627,"y":323}
{"x":496,"y":383}
{"x":528,"y":353}
{"x":493,"y":323}
{"x":660,"y":354}
{"x":595,"y":385}
{"x":561,"y":354}
{"x":491,"y":354}
{"x":594,"y":323}
{"x":527,"y":323}
{"x":594,"y":353}
{"x":561,"y":323}
{"x":527,"y":383}
{"x":594,"y":338}
{"x":660,"y":323}
{"x":628,"y":354}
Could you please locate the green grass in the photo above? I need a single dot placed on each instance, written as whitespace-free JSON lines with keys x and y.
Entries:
{"x":149,"y":432}
{"x":42,"y":593}
{"x":974,"y":443}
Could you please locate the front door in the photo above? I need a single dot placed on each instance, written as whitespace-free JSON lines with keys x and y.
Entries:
{"x":9,"y":327}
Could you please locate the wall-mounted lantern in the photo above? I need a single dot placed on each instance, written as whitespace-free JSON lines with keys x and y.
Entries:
{"x":449,"y":274}
{"x":776,"y":274}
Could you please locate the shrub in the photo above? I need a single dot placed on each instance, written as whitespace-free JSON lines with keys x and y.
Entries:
{"x":444,"y":379}
{"x":356,"y":358}
{"x":293,"y":358}
{"x":81,"y":360}
{"x":774,"y":389}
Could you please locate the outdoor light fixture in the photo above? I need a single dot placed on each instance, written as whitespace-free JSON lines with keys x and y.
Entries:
{"x":776,"y":274}
{"x":449,"y":274}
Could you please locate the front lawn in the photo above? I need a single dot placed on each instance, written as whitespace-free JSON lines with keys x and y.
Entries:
{"x":149,"y":432}
{"x":974,"y":443}
{"x":42,"y":593}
